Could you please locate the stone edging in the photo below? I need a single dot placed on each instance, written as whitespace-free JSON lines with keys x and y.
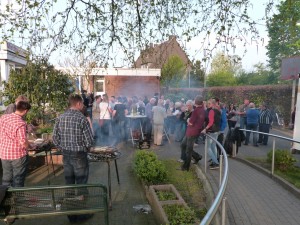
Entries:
{"x":157,"y":205}
{"x":210,"y":194}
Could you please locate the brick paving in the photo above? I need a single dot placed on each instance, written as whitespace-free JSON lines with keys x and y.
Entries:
{"x":252,"y":197}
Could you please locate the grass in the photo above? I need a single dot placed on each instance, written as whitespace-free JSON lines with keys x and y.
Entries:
{"x":292,"y":175}
{"x":188,"y":185}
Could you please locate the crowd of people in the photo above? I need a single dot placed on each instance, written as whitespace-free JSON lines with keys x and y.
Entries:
{"x":185,"y":121}
{"x":93,"y":121}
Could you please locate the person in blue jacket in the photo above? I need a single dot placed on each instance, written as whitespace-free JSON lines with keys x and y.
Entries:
{"x":252,"y":123}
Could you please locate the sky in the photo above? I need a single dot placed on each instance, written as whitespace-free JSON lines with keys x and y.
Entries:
{"x":255,"y":49}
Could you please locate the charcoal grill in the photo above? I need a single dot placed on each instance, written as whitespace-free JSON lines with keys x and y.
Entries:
{"x":106,"y":154}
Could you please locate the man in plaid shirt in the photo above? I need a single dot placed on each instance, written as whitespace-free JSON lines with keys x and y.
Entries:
{"x":13,"y":146}
{"x":72,"y":134}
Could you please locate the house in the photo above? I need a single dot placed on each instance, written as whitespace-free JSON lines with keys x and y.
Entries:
{"x":117,"y":81}
{"x":11,"y":57}
{"x":158,"y":54}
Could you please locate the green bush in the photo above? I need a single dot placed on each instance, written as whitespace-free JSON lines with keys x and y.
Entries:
{"x":165,"y":195}
{"x":284,"y":160}
{"x":148,"y":168}
{"x":178,"y":214}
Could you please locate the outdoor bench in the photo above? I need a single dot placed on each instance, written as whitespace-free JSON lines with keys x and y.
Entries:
{"x":34,"y":202}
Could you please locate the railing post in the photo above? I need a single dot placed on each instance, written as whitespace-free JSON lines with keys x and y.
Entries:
{"x":220,"y":170}
{"x":273,"y":157}
{"x":205,"y":155}
{"x":223,"y":210}
{"x":234,"y":149}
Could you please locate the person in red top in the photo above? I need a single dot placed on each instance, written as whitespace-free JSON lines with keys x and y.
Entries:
{"x":13,"y":146}
{"x":213,"y":128}
{"x":194,"y":127}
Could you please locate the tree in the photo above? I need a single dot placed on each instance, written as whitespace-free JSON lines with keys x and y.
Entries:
{"x":196,"y":75}
{"x":223,"y":70}
{"x":221,"y":78}
{"x":46,"y":88}
{"x":173,"y":72}
{"x":284,"y":34}
{"x":261,"y":75}
{"x":83,"y":69}
{"x":102,"y":27}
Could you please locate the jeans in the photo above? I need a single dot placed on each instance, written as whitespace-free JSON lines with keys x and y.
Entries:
{"x":119,"y":131}
{"x":97,"y":132}
{"x":265,"y":128}
{"x":212,"y":147}
{"x":14,"y":171}
{"x":253,"y":127}
{"x":76,"y":167}
{"x":187,"y":151}
{"x":243,"y":122}
{"x":179,"y":130}
{"x":105,"y":133}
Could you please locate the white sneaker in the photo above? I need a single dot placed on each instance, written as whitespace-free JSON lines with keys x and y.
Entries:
{"x":180,"y":160}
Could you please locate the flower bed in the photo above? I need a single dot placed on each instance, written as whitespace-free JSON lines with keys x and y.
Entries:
{"x":176,"y":208}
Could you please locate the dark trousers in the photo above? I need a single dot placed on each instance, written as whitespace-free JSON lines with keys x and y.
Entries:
{"x":187,"y":146}
{"x":265,"y":128}
{"x":105,"y":133}
{"x":76,"y":167}
{"x":220,"y":139}
{"x":253,"y":127}
{"x":119,"y":130}
{"x":148,"y":130}
{"x":231,"y":124}
{"x":14,"y":171}
{"x":76,"y":171}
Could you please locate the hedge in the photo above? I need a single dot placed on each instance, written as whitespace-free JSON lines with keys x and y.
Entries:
{"x":277,"y":97}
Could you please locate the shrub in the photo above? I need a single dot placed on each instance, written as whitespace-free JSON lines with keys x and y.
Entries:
{"x":284,"y":160}
{"x":148,"y":168}
{"x":166,"y":195}
{"x":178,"y":214}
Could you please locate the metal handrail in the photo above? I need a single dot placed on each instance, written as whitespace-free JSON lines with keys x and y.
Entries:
{"x":220,"y":195}
{"x":273,"y":149}
{"x":272,"y":135}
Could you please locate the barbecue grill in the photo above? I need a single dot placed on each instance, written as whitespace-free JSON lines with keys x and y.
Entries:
{"x":106,"y":154}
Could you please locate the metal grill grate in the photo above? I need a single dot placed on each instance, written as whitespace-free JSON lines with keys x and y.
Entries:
{"x":104,"y":153}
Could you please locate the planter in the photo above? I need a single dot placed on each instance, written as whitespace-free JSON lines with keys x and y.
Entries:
{"x":157,"y":205}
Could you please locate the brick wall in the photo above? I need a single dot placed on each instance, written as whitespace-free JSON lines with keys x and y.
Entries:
{"x":132,"y":85}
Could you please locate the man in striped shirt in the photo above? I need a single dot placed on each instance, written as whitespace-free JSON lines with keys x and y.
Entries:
{"x":14,"y":145}
{"x":264,"y":123}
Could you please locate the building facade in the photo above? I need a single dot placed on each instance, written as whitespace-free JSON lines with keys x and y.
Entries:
{"x":11,"y":57}
{"x":117,"y":81}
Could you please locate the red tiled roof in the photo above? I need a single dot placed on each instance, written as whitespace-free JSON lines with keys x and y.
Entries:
{"x":158,"y":54}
